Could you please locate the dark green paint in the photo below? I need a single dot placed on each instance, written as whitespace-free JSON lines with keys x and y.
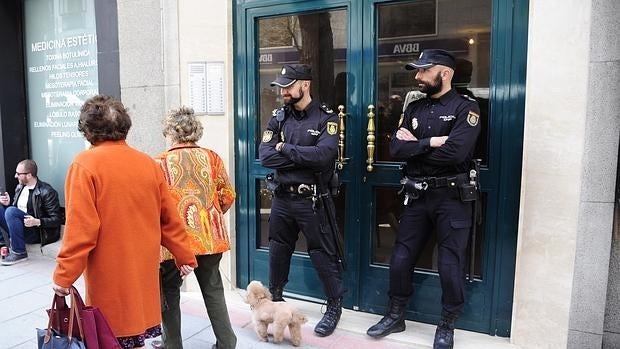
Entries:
{"x":489,"y":304}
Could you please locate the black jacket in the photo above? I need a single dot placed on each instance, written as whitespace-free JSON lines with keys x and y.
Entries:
{"x":310,"y":144}
{"x":43,"y":204}
{"x":452,"y":115}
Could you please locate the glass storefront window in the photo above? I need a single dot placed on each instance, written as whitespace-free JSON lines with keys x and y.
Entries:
{"x":460,"y":27}
{"x":60,"y":47}
{"x":318,"y":39}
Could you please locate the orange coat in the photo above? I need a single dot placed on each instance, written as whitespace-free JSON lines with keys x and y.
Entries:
{"x":202,"y":193}
{"x":119,"y":212}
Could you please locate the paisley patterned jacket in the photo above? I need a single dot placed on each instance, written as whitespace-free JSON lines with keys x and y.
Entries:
{"x":202,"y":191}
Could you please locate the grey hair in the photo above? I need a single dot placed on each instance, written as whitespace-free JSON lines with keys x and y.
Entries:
{"x":182,"y":125}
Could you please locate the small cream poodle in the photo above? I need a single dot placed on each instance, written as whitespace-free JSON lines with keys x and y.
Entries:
{"x":281,"y":314}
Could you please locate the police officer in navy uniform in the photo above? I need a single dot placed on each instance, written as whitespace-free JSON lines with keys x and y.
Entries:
{"x":436,"y":137}
{"x":301,"y":145}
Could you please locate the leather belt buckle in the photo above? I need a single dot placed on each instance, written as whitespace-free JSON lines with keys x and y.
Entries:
{"x":421,"y":185}
{"x":304,"y":189}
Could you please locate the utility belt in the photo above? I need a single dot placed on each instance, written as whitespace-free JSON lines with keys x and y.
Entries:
{"x":303,"y":190}
{"x":426,"y":183}
{"x":300,"y":191}
{"x":297,"y":190}
{"x":463,"y":183}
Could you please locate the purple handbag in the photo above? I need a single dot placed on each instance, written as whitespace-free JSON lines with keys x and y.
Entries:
{"x":97,"y":333}
{"x":59,"y":315}
{"x":50,"y":338}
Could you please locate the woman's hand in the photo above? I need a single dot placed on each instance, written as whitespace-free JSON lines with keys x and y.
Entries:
{"x":59,"y":290}
{"x":185,"y":270}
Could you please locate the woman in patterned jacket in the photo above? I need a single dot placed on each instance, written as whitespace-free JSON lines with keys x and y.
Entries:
{"x":202,"y":191}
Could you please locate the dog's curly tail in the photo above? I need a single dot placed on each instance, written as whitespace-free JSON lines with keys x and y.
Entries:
{"x":299,"y":318}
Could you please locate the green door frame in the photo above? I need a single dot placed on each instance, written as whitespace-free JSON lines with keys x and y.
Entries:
{"x":509,"y":46}
{"x":248,"y":168}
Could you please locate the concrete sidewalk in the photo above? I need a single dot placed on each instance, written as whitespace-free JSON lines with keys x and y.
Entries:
{"x":27,"y":292}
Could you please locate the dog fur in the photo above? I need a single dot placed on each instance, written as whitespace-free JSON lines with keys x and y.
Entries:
{"x":280,"y":314}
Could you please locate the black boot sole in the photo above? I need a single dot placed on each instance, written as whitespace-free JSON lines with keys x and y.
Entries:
{"x":325,"y":334}
{"x":320,"y":334}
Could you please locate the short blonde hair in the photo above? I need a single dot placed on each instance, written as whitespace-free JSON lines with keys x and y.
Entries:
{"x":182,"y":125}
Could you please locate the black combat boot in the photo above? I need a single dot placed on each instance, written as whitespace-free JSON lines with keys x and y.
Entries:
{"x":393,"y":321}
{"x":444,"y":335}
{"x":330,"y":319}
{"x":276,"y":294}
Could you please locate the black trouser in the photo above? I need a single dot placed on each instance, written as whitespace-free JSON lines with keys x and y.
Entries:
{"x":440,"y":210}
{"x":210,"y":281}
{"x":291,"y":214}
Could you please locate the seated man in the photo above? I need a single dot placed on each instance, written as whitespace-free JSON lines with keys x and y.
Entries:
{"x":34,"y":216}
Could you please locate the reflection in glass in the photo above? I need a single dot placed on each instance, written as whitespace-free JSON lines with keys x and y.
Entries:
{"x":407,"y":28}
{"x":263,"y":198}
{"x":318,"y":39}
{"x":389,"y":208}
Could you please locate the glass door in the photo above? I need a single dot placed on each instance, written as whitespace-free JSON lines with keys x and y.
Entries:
{"x":400,"y":32}
{"x":312,"y":33}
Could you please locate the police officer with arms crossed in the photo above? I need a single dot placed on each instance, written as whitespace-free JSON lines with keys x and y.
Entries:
{"x":437,"y":138}
{"x":301,"y":144}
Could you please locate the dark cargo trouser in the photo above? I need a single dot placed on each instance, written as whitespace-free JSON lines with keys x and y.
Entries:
{"x":291,"y":214}
{"x":443,"y":211}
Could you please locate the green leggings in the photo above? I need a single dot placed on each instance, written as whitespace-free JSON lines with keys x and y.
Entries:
{"x":210,"y":281}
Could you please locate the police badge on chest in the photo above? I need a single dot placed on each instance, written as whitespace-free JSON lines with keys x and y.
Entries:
{"x":267,"y":135}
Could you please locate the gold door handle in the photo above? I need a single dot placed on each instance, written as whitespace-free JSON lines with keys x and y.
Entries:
{"x":370,"y":148}
{"x":341,"y":137}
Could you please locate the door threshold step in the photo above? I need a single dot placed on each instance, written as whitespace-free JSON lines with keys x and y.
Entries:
{"x":353,"y":325}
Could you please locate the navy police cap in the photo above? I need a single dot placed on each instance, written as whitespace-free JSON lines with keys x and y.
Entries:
{"x":291,"y":73}
{"x":431,"y":57}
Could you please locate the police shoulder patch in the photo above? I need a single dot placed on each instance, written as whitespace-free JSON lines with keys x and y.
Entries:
{"x":472,"y":118}
{"x":326,"y":109}
{"x":332,"y":128}
{"x":267,"y":135}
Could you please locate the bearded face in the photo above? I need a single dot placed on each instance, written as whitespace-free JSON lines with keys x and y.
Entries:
{"x":432,"y":86}
{"x":293,"y":94}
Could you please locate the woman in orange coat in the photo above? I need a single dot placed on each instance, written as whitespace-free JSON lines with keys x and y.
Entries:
{"x":119,"y":212}
{"x":202,"y":192}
